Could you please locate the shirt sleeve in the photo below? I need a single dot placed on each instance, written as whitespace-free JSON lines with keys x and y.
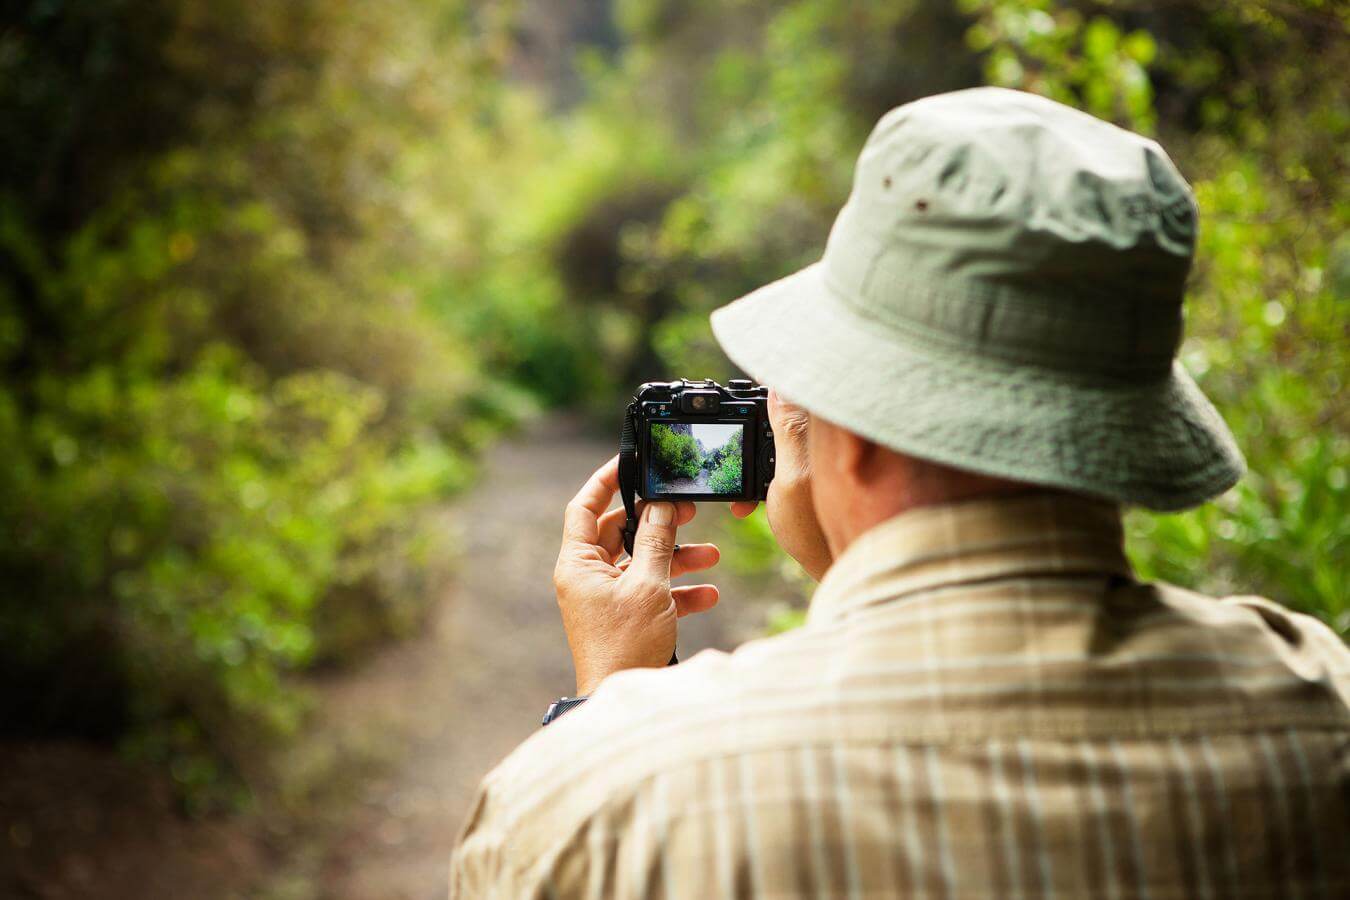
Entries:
{"x":515,"y":850}
{"x":521,"y":849}
{"x":475,"y":863}
{"x":559,"y":817}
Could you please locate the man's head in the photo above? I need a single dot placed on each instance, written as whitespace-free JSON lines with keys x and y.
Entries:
{"x":1000,"y":299}
{"x":857,"y":483}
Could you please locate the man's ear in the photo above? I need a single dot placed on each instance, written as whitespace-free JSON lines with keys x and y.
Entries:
{"x":855,"y":456}
{"x":840,"y":451}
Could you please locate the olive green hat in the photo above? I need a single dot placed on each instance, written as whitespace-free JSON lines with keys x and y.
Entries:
{"x":1002,"y":293}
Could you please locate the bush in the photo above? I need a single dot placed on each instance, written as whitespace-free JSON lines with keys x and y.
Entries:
{"x":226,"y":400}
{"x":674,"y":455}
{"x":726,"y":477}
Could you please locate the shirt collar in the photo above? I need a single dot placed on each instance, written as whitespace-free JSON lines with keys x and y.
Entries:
{"x":1042,"y":533}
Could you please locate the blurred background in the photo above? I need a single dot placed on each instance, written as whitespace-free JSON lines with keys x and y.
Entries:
{"x":313,"y":314}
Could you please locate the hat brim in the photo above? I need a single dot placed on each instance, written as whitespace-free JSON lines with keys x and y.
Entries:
{"x":1160,"y":445}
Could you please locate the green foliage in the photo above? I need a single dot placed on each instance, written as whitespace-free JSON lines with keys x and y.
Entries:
{"x":726,"y":475}
{"x":1268,"y":344}
{"x":674,"y":455}
{"x":1063,"y":52}
{"x":226,"y":398}
{"x":745,"y":157}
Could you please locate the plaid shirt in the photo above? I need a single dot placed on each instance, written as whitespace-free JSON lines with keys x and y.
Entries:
{"x":983,"y":703}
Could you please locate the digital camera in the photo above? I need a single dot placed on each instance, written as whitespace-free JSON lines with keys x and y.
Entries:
{"x":698,"y":440}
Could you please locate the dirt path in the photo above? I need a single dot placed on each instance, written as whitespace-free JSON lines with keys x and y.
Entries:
{"x":697,"y":485}
{"x":464,"y":695}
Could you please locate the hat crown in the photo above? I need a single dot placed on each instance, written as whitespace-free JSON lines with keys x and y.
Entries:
{"x":1007,"y":224}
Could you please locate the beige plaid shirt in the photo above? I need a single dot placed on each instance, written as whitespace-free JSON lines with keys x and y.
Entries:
{"x":982,"y":703}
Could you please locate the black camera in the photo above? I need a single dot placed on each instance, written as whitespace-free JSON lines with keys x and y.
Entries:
{"x":698,"y":440}
{"x":695,"y":440}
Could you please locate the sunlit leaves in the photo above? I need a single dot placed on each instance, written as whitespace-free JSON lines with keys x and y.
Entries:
{"x":1053,"y":49}
{"x":226,"y":405}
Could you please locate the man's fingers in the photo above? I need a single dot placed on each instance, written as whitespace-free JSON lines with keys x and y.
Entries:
{"x":781,"y":406}
{"x":694,"y":558}
{"x":581,"y":520}
{"x":611,"y":529}
{"x":688,"y":558}
{"x":694,"y":598}
{"x":789,"y":420}
{"x":655,"y":541}
{"x":685,"y":510}
{"x":742,"y":508}
{"x":611,"y":524}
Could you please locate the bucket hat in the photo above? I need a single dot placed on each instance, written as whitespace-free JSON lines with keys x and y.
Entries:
{"x":1002,"y":293}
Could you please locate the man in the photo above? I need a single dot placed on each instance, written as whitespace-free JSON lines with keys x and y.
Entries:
{"x":983,"y":701}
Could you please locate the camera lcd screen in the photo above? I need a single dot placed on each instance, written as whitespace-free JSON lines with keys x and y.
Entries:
{"x":695,"y":458}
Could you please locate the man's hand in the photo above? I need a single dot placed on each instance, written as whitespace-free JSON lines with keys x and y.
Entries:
{"x":792,"y":514}
{"x":621,"y":615}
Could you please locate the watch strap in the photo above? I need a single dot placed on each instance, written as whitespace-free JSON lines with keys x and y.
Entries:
{"x":560,"y":706}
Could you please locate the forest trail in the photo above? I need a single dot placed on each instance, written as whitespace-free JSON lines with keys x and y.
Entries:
{"x":384,"y":774}
{"x":475,"y":685}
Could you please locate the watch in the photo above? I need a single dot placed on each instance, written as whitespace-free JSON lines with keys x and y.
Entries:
{"x":560,"y":706}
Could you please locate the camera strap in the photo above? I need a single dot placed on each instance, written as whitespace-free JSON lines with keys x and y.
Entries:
{"x":628,"y":476}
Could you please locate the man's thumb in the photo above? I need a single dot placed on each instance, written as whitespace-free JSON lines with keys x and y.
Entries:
{"x":655,"y":541}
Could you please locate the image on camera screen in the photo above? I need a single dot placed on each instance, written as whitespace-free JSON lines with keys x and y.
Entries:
{"x":695,"y":458}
